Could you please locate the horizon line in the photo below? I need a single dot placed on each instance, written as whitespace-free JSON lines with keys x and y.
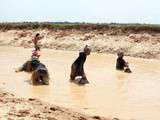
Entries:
{"x":75,"y":22}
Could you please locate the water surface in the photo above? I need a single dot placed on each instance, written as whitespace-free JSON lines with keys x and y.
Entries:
{"x":110,"y":93}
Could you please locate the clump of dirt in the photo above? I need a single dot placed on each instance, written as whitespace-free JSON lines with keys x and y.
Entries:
{"x":13,"y":108}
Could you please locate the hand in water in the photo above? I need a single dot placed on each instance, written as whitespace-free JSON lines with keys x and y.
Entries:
{"x":16,"y":70}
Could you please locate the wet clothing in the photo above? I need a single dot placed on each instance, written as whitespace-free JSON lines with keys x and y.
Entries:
{"x":36,"y":53}
{"x":42,"y":68}
{"x":39,"y":71}
{"x":35,"y":63}
{"x":30,"y":65}
{"x":27,"y":67}
{"x":77,"y":66}
{"x":81,"y":59}
{"x":40,"y":74}
{"x":120,"y":64}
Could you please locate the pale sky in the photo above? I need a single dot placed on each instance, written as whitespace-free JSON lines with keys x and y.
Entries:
{"x":94,"y":11}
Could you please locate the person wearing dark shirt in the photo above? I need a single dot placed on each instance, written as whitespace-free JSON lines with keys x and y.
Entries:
{"x":77,"y":68}
{"x":29,"y":65}
{"x":121,"y":64}
{"x":39,"y":71}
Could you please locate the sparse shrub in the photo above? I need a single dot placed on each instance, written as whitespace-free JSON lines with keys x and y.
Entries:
{"x":121,"y":28}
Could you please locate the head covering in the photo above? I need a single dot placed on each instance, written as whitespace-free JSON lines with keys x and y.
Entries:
{"x":34,"y":61}
{"x":120,"y":54}
{"x":86,"y":49}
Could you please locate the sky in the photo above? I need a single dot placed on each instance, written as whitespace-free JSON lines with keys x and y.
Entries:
{"x":92,"y":11}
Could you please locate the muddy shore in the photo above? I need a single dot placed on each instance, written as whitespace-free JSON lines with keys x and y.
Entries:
{"x":13,"y":108}
{"x":136,"y":44}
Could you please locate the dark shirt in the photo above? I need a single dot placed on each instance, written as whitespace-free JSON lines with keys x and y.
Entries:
{"x":42,"y":69}
{"x":81,"y":59}
{"x":120,"y":64}
{"x":35,"y":63}
{"x":79,"y":63}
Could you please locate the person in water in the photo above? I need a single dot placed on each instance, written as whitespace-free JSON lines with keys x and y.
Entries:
{"x":121,"y":64}
{"x":77,"y":68}
{"x":29,"y":65}
{"x":39,"y":71}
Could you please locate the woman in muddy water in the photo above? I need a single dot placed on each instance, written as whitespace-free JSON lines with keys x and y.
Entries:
{"x":39,"y":71}
{"x":77,"y":68}
{"x":121,"y":64}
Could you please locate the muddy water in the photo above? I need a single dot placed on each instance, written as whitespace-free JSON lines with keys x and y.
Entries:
{"x":110,"y":93}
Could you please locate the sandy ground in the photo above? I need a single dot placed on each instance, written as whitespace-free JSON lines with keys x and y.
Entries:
{"x":142,"y":44}
{"x":12,"y":108}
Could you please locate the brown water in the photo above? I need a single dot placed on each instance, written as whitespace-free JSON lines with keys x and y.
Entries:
{"x":110,"y":93}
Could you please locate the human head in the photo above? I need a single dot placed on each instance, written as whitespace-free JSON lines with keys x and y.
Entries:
{"x":87,"y":50}
{"x":120,"y":54}
{"x":37,"y":34}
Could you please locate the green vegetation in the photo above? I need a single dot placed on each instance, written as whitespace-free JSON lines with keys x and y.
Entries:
{"x":81,"y":26}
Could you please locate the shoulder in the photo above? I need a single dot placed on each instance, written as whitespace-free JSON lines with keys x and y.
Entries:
{"x":81,"y":53}
{"x":123,"y":61}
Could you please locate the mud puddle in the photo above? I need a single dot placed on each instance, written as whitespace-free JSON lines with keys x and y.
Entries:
{"x":110,"y":92}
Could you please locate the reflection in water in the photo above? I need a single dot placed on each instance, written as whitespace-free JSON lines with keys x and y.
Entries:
{"x":120,"y":76}
{"x":110,"y":92}
{"x":40,"y":91}
{"x":80,"y":95}
{"x":121,"y":81}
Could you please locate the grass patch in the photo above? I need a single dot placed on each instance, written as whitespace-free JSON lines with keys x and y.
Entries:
{"x":81,"y":26}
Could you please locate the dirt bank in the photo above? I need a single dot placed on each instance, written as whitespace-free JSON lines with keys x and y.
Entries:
{"x":138,"y":44}
{"x":12,"y":108}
